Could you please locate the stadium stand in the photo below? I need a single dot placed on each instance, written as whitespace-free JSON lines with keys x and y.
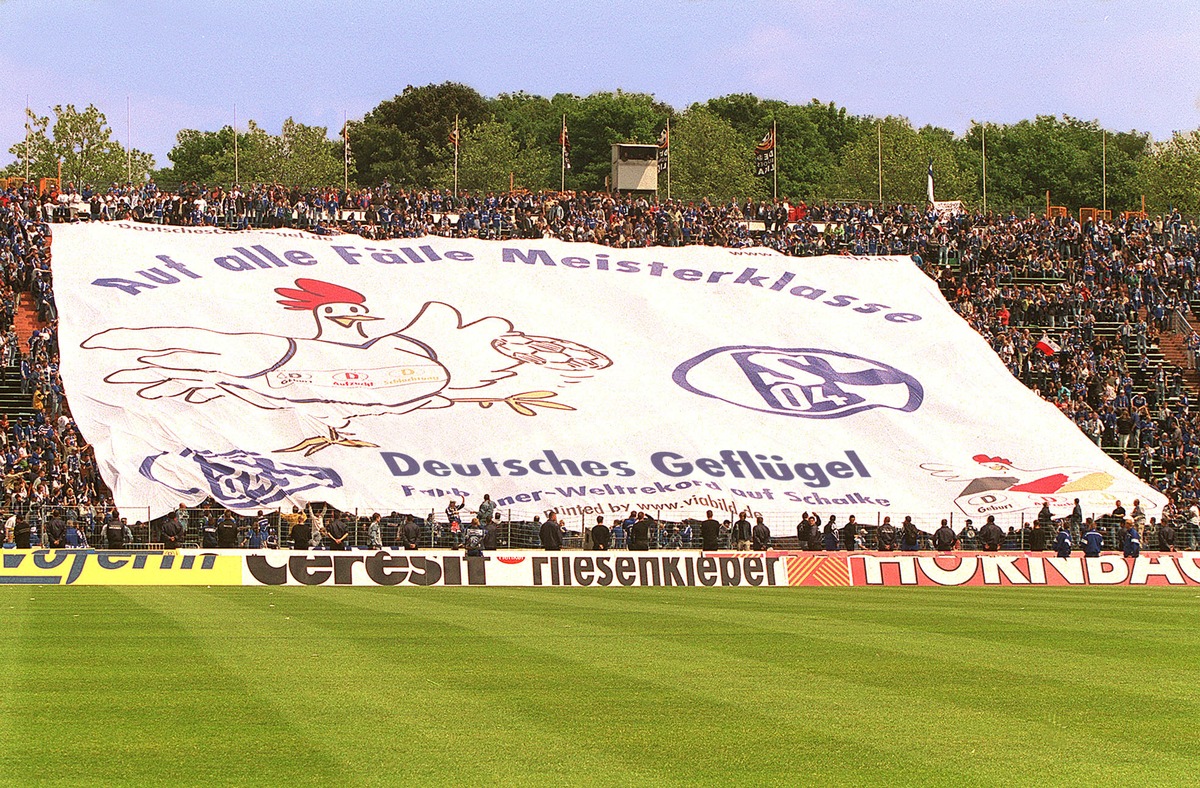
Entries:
{"x":1096,"y":317}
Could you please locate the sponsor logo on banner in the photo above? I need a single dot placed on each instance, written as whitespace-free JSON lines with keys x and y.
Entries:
{"x":119,"y":568}
{"x":674,"y":568}
{"x":995,"y":485}
{"x":1022,"y":569}
{"x":383,"y":378}
{"x":381,"y":568}
{"x":806,"y":382}
{"x":238,"y":479}
{"x":657,"y":569}
{"x":677,"y":568}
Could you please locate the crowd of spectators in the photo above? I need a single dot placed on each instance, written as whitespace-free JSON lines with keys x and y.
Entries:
{"x":1100,"y":292}
{"x":597,"y":217}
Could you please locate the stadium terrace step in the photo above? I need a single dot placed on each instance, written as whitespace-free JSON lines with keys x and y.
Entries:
{"x":13,"y":402}
{"x":1173,"y":347}
{"x":26,"y":320}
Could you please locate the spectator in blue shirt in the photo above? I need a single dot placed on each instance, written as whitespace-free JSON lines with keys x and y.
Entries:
{"x":1133,"y":542}
{"x":1093,"y":541}
{"x":1062,"y":542}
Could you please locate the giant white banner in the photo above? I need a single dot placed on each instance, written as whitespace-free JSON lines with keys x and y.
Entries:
{"x":276,"y":368}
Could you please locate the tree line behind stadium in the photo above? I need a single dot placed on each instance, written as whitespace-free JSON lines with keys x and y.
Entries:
{"x":824,"y":151}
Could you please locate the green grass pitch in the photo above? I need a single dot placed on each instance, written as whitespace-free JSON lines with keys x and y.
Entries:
{"x":658,"y":686}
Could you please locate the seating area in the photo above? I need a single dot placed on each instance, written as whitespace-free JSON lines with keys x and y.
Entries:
{"x":1095,"y":318}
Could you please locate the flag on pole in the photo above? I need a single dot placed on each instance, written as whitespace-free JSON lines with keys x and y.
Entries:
{"x":454,"y":140}
{"x":345,"y":153}
{"x":764,"y":155}
{"x":929,"y":183}
{"x":664,"y":149}
{"x":565,"y":140}
{"x":1048,"y":346}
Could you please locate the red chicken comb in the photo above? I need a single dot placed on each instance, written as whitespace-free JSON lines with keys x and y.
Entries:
{"x":314,"y":293}
{"x":983,"y":459}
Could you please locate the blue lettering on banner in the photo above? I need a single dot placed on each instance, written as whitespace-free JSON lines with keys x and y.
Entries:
{"x":259,"y":257}
{"x":242,"y":479}
{"x":806,"y":382}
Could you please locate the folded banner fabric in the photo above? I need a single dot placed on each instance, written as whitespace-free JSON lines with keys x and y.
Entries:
{"x":277,"y":368}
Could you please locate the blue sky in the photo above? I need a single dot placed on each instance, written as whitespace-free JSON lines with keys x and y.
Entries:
{"x":186,"y":64}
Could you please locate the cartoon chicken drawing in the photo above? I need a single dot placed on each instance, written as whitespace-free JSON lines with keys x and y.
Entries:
{"x":341,"y":372}
{"x":995,"y":484}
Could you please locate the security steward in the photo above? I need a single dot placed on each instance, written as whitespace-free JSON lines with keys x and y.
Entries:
{"x":114,"y":533}
{"x":22,"y":533}
{"x":227,"y":533}
{"x":172,"y":532}
{"x":208,"y":533}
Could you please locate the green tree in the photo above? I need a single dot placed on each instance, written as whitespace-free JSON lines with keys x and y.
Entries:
{"x":952,"y":181}
{"x":198,"y":155}
{"x":301,"y":156}
{"x":598,"y":121}
{"x":812,"y":141}
{"x":906,"y":154}
{"x":749,"y":115}
{"x":1170,"y":175}
{"x":400,"y":139}
{"x":36,"y":150}
{"x":1064,"y":156}
{"x":711,"y":159}
{"x":488,"y":153}
{"x":895,"y":150}
{"x":534,"y":120}
{"x":83,"y":142}
{"x":305,"y":156}
{"x":812,"y":138}
{"x":255,"y":160}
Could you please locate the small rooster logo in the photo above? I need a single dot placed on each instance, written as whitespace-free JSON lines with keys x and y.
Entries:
{"x":341,"y":372}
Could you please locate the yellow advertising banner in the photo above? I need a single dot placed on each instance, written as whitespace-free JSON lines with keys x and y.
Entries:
{"x":119,"y":568}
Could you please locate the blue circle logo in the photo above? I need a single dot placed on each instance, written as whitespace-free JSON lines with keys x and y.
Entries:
{"x":807,"y":382}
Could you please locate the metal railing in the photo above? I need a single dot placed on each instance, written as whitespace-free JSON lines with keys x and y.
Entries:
{"x":515,"y":529}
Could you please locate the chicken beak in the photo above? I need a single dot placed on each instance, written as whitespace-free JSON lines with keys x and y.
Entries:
{"x":346,"y":321}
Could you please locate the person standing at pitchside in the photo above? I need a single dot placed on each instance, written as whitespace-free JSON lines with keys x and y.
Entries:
{"x":487,"y":509}
{"x":760,"y":536}
{"x":1062,"y":542}
{"x":375,"y":532}
{"x":601,"y":536}
{"x":886,"y":536}
{"x":639,"y":534}
{"x":910,"y":540}
{"x":1093,"y":540}
{"x":742,"y":532}
{"x":339,"y":534}
{"x":317,"y":518}
{"x":1132,"y":546}
{"x":829,"y":536}
{"x":551,"y":533}
{"x":411,"y":532}
{"x":710,"y":533}
{"x":944,"y":538}
{"x":991,"y":535}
